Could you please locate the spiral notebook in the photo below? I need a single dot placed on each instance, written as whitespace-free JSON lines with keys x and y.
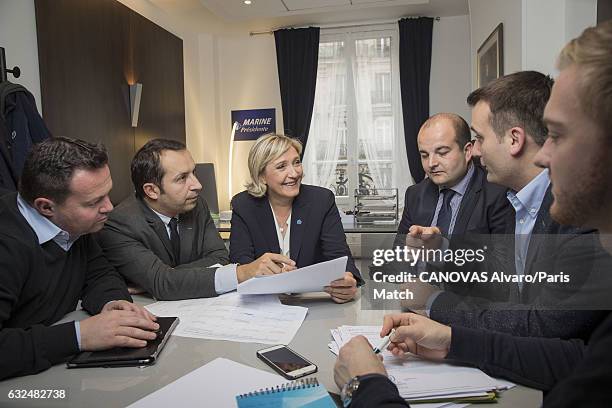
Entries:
{"x":301,"y":393}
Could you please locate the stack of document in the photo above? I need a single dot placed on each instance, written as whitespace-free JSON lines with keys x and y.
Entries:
{"x":233,"y":317}
{"x":422,"y":380}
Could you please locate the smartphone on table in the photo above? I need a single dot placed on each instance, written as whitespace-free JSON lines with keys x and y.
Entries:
{"x":286,"y":362}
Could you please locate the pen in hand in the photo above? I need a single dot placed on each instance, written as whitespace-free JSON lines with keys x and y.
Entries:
{"x":384,"y":343}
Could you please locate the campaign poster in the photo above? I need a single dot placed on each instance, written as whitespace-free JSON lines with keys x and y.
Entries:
{"x":253,"y":123}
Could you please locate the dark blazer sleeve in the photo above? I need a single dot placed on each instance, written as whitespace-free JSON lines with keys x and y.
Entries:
{"x":124,"y":248}
{"x":406,"y":222}
{"x":538,"y":323}
{"x":333,"y":238}
{"x":27,"y":350}
{"x":377,"y":391}
{"x":498,"y":209}
{"x":580,"y":257}
{"x":532,"y":361}
{"x":242,"y":249}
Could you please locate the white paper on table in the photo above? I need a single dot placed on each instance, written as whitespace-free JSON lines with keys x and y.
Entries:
{"x":310,"y":278}
{"x":234,"y":317}
{"x":215,"y":384}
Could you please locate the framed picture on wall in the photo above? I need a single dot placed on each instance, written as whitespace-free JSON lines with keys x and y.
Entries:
{"x":490,"y":57}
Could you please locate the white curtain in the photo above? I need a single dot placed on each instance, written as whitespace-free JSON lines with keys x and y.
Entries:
{"x":365,"y":66}
{"x":325,"y":137}
{"x":377,"y":99}
{"x":359,"y":80}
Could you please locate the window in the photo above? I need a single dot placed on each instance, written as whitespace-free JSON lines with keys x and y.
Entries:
{"x":356,"y":139}
{"x":381,"y":93}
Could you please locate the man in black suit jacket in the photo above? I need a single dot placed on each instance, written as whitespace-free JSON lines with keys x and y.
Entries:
{"x":476,"y":206}
{"x":455,"y":199}
{"x":574,"y":374}
{"x":163,"y":240}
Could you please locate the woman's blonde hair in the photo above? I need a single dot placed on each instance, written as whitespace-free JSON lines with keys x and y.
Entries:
{"x":592,"y":53}
{"x":267,"y":148}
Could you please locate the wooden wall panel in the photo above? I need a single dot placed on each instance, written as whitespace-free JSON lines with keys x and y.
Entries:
{"x":162,"y":110}
{"x":89,"y":51}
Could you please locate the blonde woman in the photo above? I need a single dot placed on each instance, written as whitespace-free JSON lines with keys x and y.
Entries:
{"x":279,"y":214}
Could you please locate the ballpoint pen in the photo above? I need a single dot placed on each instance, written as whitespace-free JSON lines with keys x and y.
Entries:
{"x":384,"y":343}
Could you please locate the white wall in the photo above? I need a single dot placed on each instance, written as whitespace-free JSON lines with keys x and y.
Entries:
{"x":541,"y":43}
{"x":485,"y":15}
{"x":579,"y":14}
{"x":566,"y":19}
{"x":18,"y":37}
{"x":450,"y":81}
{"x":247,"y":79}
{"x":534,"y":30}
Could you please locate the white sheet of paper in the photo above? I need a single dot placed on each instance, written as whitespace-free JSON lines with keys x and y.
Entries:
{"x":215,"y":384}
{"x":310,"y":278}
{"x":234,"y":317}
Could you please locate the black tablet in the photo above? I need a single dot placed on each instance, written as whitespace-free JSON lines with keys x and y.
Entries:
{"x":126,"y":356}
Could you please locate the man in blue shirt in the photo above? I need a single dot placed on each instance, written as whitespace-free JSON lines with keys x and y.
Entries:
{"x":49,"y":262}
{"x":507,"y":122}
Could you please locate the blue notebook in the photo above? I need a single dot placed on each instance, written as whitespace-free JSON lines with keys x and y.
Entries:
{"x":301,"y":393}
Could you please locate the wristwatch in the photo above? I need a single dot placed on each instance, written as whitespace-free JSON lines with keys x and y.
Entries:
{"x":346,"y":395}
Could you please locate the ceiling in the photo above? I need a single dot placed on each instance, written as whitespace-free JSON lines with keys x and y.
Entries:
{"x":315,"y":11}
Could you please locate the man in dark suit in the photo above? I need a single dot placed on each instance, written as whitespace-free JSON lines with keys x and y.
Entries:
{"x":455,"y":199}
{"x":163,"y":240}
{"x":577,"y":154}
{"x":455,"y":196}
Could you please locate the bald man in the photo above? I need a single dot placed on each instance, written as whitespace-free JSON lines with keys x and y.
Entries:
{"x":456,"y":196}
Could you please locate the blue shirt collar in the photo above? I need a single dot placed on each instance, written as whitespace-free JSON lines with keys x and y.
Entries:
{"x":531,"y":196}
{"x":45,"y":229}
{"x":462,"y":185}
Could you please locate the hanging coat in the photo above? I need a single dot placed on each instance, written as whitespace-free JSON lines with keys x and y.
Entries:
{"x":23,"y":123}
{"x":8,"y":177}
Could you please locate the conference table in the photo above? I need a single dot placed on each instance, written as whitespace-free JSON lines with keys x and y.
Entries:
{"x":119,"y":387}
